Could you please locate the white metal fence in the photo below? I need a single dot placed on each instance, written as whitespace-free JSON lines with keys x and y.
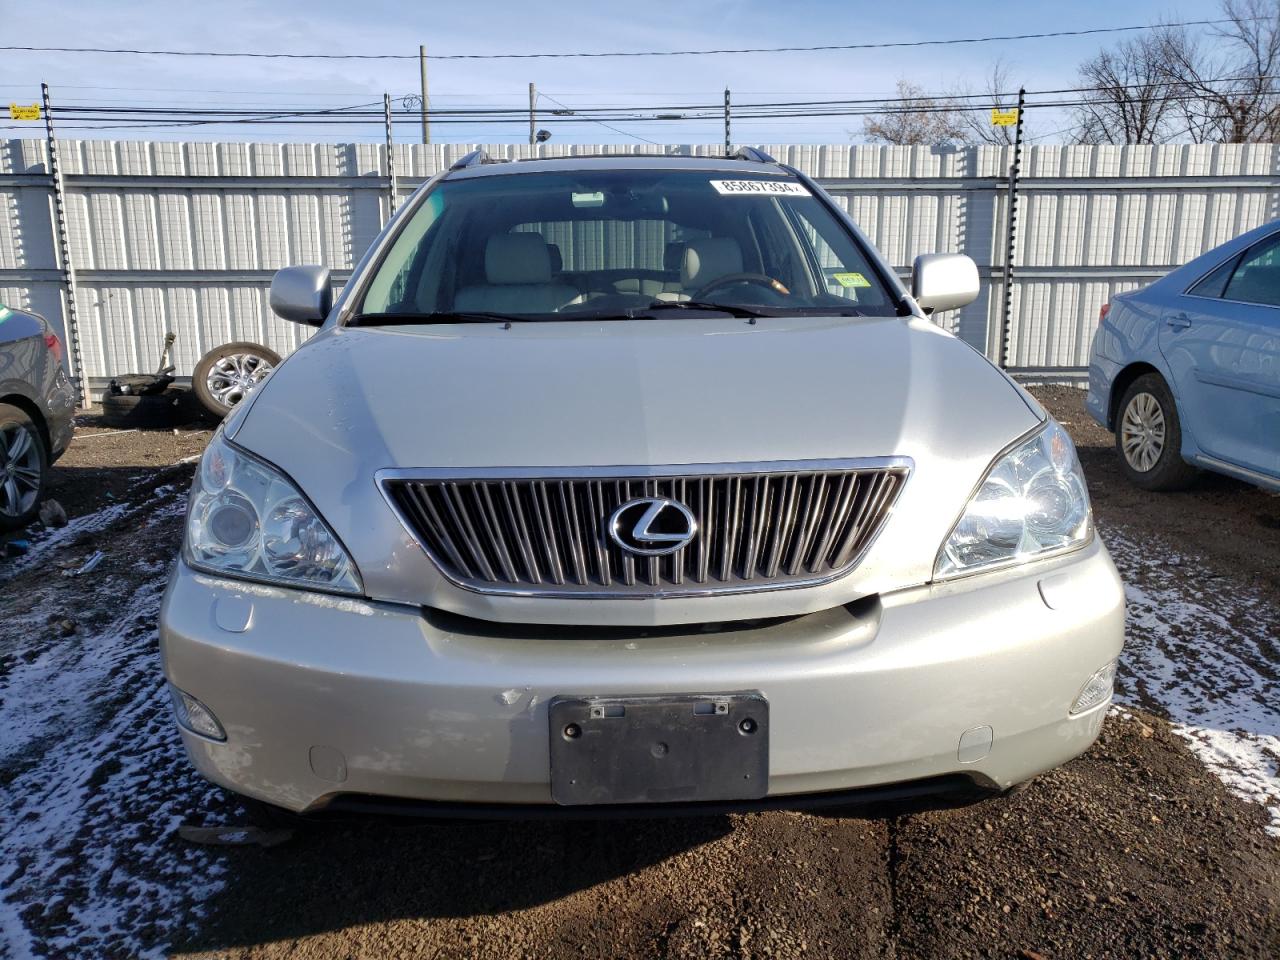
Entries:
{"x":185,"y":236}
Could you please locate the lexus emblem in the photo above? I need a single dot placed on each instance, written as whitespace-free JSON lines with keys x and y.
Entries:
{"x":652,"y":526}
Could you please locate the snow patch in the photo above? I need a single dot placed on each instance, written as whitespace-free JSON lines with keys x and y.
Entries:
{"x":97,"y":779}
{"x":1203,"y":652}
{"x":51,"y":539}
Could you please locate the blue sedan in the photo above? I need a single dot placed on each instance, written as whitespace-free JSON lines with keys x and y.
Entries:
{"x":1186,"y":372}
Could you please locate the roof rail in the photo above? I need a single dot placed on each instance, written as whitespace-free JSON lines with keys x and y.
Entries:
{"x":752,"y":154}
{"x":474,"y":158}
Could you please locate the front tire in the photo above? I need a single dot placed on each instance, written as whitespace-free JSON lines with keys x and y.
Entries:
{"x":24,"y":468}
{"x":1149,"y":436}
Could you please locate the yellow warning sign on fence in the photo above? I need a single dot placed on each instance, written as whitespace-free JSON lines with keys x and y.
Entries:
{"x":18,"y":111}
{"x":1004,"y":118}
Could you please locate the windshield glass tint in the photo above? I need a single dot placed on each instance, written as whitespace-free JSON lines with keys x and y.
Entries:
{"x":612,"y":243}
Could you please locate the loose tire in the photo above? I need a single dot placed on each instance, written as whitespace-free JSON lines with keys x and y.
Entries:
{"x":24,"y":468}
{"x":224,"y":376}
{"x":1149,"y":436}
{"x":149,"y":411}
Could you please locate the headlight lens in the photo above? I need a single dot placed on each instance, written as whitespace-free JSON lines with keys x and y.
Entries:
{"x":248,"y":520}
{"x":1032,"y":502}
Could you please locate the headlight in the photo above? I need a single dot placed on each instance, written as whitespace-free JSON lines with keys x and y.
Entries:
{"x":1032,"y":503}
{"x":248,"y":520}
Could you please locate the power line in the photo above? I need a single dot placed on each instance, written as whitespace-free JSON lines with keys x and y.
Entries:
{"x":89,"y":116}
{"x":923,"y":102}
{"x":142,"y":116}
{"x":898,"y":44}
{"x":633,"y":136}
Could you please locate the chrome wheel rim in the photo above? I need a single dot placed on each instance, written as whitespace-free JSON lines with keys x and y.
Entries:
{"x":1142,"y":432}
{"x":19,"y":470}
{"x":232,"y":377}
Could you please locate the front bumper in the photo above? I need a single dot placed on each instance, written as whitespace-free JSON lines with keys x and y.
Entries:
{"x":323,"y":698}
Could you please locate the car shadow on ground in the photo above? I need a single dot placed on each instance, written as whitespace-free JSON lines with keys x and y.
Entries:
{"x":385,"y":869}
{"x":392,"y":868}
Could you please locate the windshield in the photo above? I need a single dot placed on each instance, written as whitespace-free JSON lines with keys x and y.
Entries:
{"x":629,"y":244}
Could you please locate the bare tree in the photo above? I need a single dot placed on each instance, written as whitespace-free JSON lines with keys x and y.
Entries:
{"x":995,"y":95}
{"x":1129,"y":96}
{"x":1226,"y":90}
{"x":920,"y":119}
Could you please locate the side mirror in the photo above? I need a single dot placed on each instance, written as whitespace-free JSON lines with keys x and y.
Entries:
{"x":944,"y":281}
{"x":302,"y":294}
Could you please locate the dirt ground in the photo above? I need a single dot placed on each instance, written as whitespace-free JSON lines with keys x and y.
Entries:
{"x":1143,"y":847}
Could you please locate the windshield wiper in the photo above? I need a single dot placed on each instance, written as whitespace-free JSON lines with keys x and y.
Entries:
{"x":733,"y":309}
{"x":741,"y":310}
{"x":434,"y":316}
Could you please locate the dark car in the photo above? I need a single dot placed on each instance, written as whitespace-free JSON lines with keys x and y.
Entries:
{"x":37,"y":402}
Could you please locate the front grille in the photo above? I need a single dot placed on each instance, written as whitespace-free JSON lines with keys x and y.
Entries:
{"x":774,"y":526}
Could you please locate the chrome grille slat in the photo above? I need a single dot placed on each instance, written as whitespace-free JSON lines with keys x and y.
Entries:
{"x":434,"y":522}
{"x":493,"y":530}
{"x":458,"y":512}
{"x":816,"y":498}
{"x":548,"y":534}
{"x":569,"y":505}
{"x":598,"y":520}
{"x":784,"y":518}
{"x":840,"y":508}
{"x":546,"y":530}
{"x":524,"y":540}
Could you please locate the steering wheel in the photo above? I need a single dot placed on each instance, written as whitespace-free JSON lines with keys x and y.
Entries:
{"x":759,"y":279}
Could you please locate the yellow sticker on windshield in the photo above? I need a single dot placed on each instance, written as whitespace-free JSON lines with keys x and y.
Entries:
{"x":851,"y":280}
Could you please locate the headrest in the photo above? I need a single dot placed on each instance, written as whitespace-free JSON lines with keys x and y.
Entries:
{"x":705,"y":260}
{"x":673,"y":256}
{"x":517,"y":258}
{"x":557,"y":261}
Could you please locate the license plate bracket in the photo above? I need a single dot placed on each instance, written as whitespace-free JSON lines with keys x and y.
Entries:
{"x":669,"y":748}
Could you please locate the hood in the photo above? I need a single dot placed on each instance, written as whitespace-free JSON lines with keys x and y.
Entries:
{"x":354,"y":401}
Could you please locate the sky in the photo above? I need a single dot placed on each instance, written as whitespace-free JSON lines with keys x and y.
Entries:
{"x":527,"y":26}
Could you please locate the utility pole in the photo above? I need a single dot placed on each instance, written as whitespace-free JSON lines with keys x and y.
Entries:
{"x":426,"y":120}
{"x":728,"y":147}
{"x":533,"y":118}
{"x":1015,"y":169}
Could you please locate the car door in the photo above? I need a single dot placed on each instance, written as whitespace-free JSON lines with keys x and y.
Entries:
{"x":1221,"y":341}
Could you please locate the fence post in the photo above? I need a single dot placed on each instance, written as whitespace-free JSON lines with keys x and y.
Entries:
{"x":78,"y":374}
{"x":391,"y":157}
{"x":1006,"y":316}
{"x":728,"y":147}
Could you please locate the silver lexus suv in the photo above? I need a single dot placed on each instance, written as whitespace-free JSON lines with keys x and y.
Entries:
{"x":634,"y":481}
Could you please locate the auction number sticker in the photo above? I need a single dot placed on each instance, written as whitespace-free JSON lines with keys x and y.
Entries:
{"x":760,"y":188}
{"x":851,"y":280}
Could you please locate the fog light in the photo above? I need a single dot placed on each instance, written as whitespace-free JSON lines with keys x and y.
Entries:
{"x":1097,"y":690}
{"x":195,"y":716}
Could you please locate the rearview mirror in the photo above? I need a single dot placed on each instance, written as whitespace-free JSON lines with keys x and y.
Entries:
{"x":302,"y":294}
{"x":944,"y":281}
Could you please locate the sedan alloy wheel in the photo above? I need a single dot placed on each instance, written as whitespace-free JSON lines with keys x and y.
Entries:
{"x":20,"y":470}
{"x":1142,"y":432}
